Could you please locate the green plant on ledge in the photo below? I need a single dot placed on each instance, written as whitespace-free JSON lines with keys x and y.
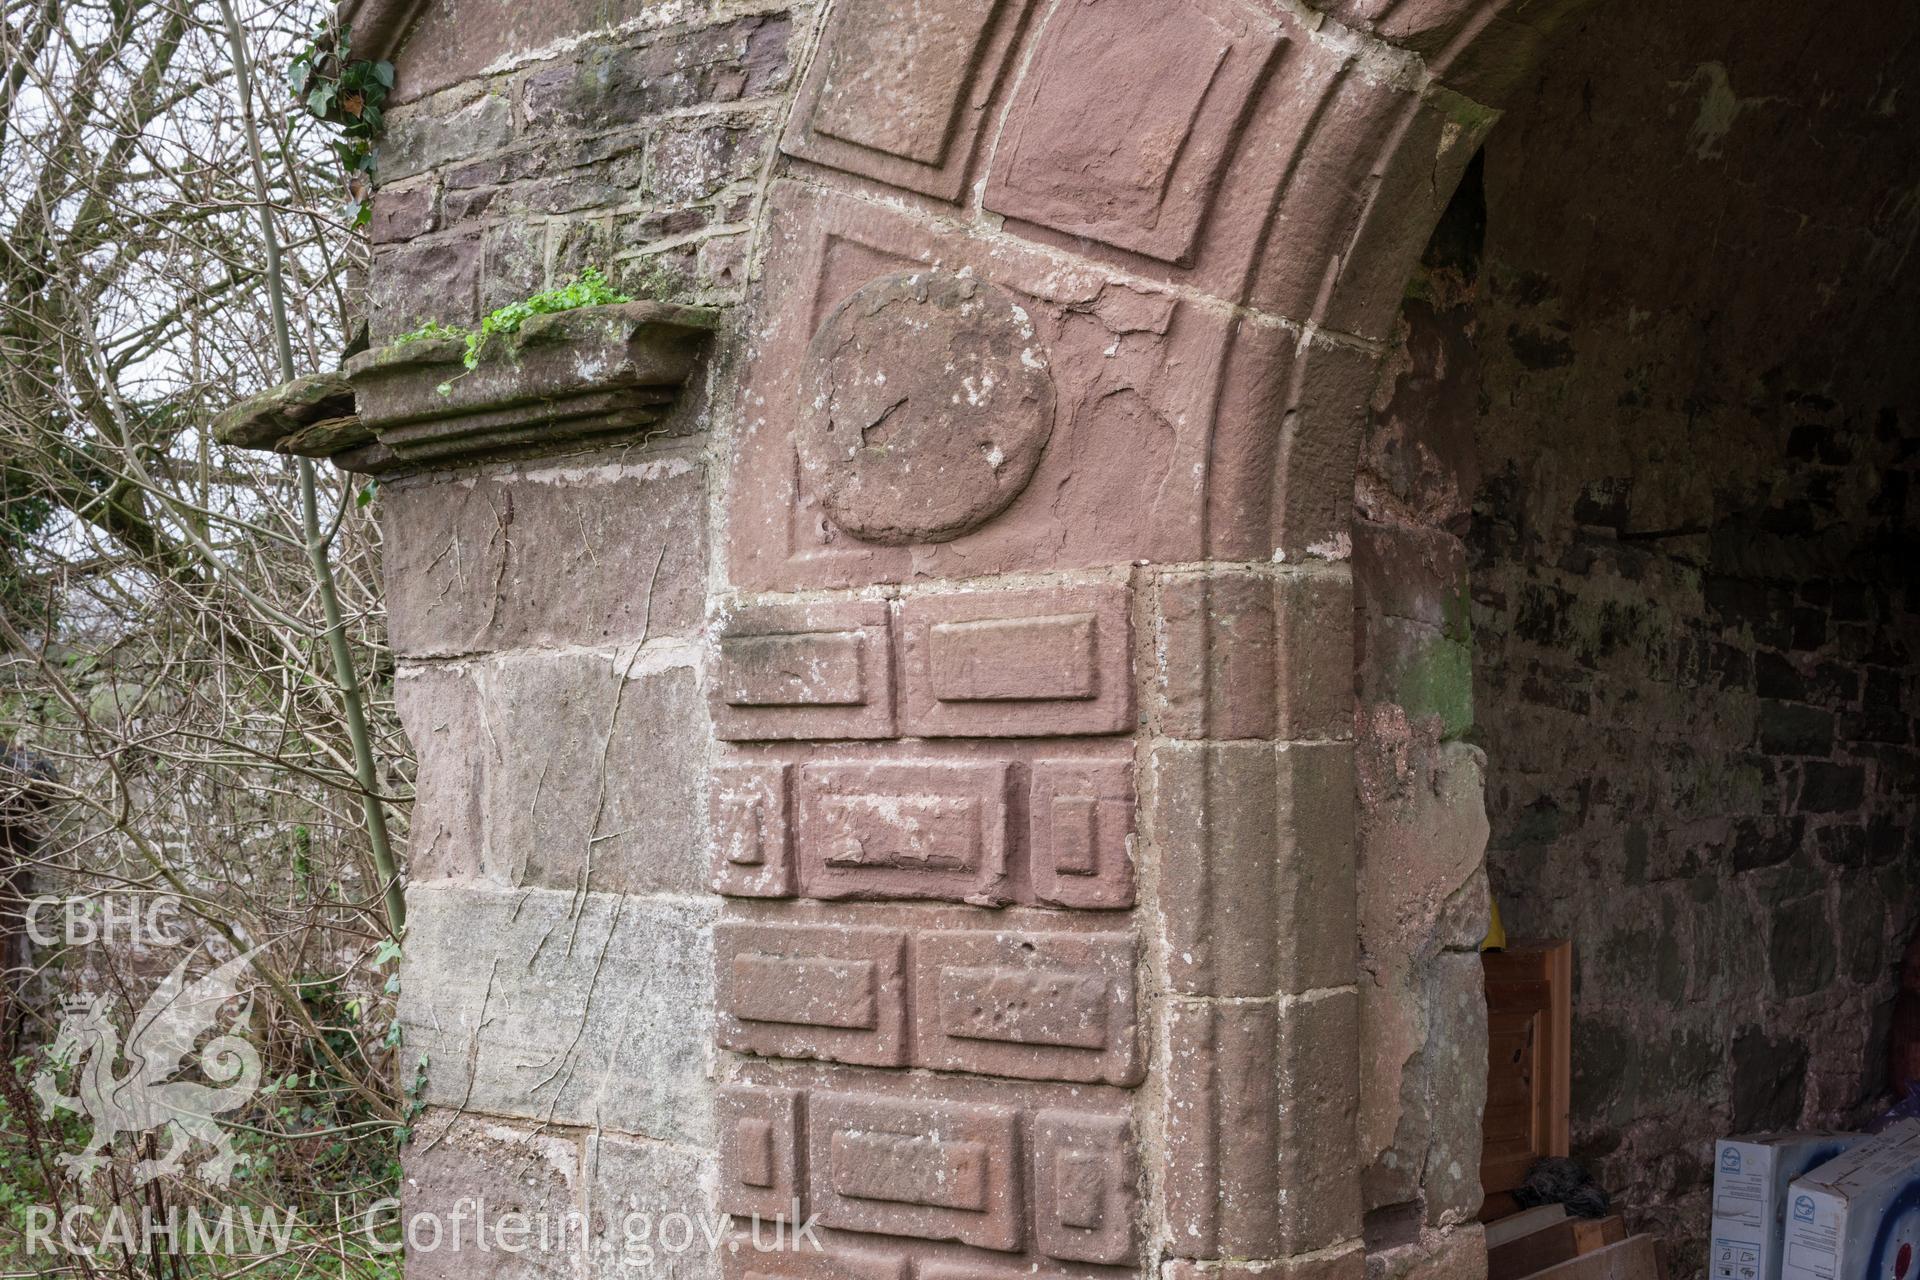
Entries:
{"x":348,"y":94}
{"x":588,"y":289}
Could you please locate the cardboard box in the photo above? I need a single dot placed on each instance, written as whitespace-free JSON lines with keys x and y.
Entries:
{"x":1858,"y":1216}
{"x":1750,"y":1179}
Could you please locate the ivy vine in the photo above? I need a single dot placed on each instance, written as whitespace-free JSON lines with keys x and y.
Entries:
{"x":348,"y":93}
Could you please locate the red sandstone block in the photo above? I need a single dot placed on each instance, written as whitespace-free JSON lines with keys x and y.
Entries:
{"x":1084,"y":1187}
{"x":819,"y":670}
{"x":752,"y":837}
{"x":1037,"y":1006}
{"x":1138,"y":173}
{"x":1257,"y":861}
{"x":1018,"y":663}
{"x":912,"y":829}
{"x":811,"y":991}
{"x":799,"y":1260}
{"x":1255,"y":654}
{"x":1216,"y":822}
{"x":1216,"y":632}
{"x":857,"y":111}
{"x":759,"y":1134}
{"x":1316,"y":922}
{"x":1080,"y":819}
{"x":932,"y":1170}
{"x":1222,"y":1131}
{"x":1318,"y":1060}
{"x":1314,"y":655}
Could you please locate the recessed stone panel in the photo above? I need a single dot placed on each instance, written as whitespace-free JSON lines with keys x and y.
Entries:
{"x":1031,"y":1005}
{"x":933,"y":1170}
{"x":816,"y":670}
{"x":1080,"y":816}
{"x":805,"y":991}
{"x":752,"y":837}
{"x":759,"y":1135}
{"x":1083,"y":1187}
{"x":912,"y":829}
{"x":900,"y":89}
{"x":1136,"y":170}
{"x":1018,"y":663}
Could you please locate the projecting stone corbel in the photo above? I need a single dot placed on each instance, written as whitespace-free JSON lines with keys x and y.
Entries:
{"x":564,"y":381}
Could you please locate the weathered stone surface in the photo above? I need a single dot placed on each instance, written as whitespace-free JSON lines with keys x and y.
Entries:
{"x":592,"y":777}
{"x":1317,"y":1061}
{"x":900,"y":93}
{"x":812,"y":991}
{"x":264,"y":420}
{"x":646,"y":1204}
{"x":440,"y":709}
{"x":751,"y":822}
{"x":401,"y":214}
{"x":606,"y":552}
{"x":1252,"y":653}
{"x":760,"y":1139}
{"x":433,"y":134}
{"x":624,"y":80}
{"x":1017,"y":663}
{"x":924,"y":407}
{"x":804,"y":670}
{"x":483,"y":1196}
{"x":1028,"y":1005}
{"x":1257,"y":863}
{"x":1129,"y":428}
{"x":915,"y":829}
{"x":1084,"y":1187}
{"x":935,"y":1171}
{"x":1422,"y":889}
{"x":1341,"y":1264}
{"x":564,"y":379}
{"x":790,"y":1261}
{"x":576,"y":1010}
{"x":432,"y":279}
{"x":1136,"y":171}
{"x":1080,"y":837}
{"x":1221,"y":1130}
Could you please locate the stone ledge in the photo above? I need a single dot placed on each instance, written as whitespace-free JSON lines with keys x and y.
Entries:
{"x":564,"y":380}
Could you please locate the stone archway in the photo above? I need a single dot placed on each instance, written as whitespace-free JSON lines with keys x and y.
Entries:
{"x":973,"y":657}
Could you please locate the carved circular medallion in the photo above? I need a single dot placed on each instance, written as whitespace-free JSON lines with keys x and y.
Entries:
{"x":924,"y":407}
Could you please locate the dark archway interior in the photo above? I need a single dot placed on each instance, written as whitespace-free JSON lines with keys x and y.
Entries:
{"x":1638,"y":518}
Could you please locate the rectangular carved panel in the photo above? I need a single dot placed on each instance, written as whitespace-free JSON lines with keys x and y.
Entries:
{"x":918,"y":829}
{"x":1084,"y":1187}
{"x":752,"y":837}
{"x":1133,"y":170}
{"x":900,"y":89}
{"x":805,"y":671}
{"x":811,"y":991}
{"x":1036,"y":1006}
{"x":1013,"y":659}
{"x":759,"y":1133}
{"x":1018,"y":663}
{"x":933,"y":1170}
{"x":1080,"y":814}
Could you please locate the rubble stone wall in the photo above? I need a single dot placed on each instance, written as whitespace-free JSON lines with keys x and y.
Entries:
{"x":1692,"y":556}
